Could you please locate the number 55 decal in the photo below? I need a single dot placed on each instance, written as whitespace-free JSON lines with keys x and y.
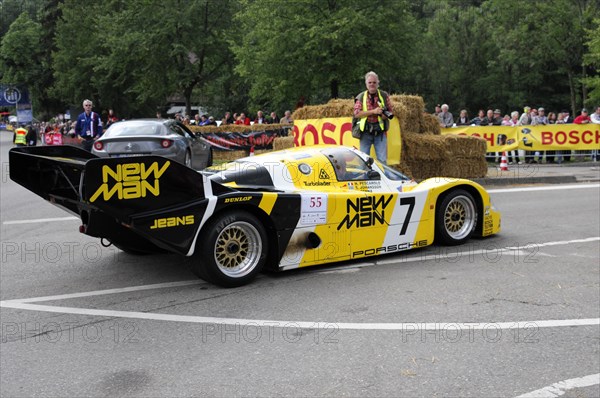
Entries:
{"x":410,"y":202}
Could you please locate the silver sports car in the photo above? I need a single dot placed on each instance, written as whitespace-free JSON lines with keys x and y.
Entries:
{"x":163,"y":137}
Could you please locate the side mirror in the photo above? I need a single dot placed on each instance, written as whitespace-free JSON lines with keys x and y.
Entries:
{"x":373,"y":175}
{"x":370,"y":161}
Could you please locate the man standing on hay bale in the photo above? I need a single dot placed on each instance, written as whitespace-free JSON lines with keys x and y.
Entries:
{"x":372,"y":111}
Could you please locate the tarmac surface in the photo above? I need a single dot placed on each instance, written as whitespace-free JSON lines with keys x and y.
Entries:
{"x":572,"y":172}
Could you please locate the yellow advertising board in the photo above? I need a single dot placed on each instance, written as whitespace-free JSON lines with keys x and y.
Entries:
{"x":338,"y":131}
{"x":534,"y":138}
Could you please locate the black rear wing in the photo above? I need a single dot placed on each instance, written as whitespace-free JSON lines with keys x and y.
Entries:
{"x":77,"y":180}
{"x":52,"y":172}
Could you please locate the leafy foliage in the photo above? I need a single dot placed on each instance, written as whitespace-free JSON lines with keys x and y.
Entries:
{"x":243,"y":55}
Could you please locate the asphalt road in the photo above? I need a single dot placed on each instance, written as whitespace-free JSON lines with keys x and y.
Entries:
{"x":502,"y":316}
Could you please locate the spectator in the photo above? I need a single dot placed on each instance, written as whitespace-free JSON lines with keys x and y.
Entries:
{"x":476,"y":121}
{"x":260,"y":118}
{"x":445,"y":117}
{"x":204,"y":120}
{"x":287,"y":118}
{"x":369,"y":108}
{"x":513,"y":156}
{"x":88,"y":127}
{"x":196,"y":121}
{"x":551,"y":154}
{"x":583,"y":118}
{"x":227,"y":119}
{"x":540,"y":118}
{"x":32,"y":135}
{"x":525,"y":120}
{"x":20,"y":136}
{"x":211,"y":121}
{"x":562,"y":118}
{"x":243,"y":120}
{"x":274,"y":118}
{"x":506,"y":121}
{"x":438,"y":110}
{"x":463,"y":118}
{"x":111,"y":118}
{"x":178,"y":117}
{"x":158,"y":115}
{"x":492,"y":118}
{"x":595,"y":117}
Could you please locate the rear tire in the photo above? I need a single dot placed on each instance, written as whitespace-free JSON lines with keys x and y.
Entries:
{"x":231,"y":250}
{"x":456,"y":218}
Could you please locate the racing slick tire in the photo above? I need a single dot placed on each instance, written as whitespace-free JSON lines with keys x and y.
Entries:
{"x":456,"y":218}
{"x":232,"y":251}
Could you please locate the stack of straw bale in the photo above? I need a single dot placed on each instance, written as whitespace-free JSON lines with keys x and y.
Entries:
{"x":425,"y":152}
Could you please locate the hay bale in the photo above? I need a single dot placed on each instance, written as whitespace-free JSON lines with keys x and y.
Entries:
{"x":228,"y":156}
{"x":430,"y":124}
{"x":461,"y":146}
{"x":283,"y":143}
{"x":419,"y":147}
{"x":332,"y":109}
{"x":465,"y":168}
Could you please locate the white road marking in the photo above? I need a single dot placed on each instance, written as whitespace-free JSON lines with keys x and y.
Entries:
{"x":408,"y":327}
{"x":39,"y":220}
{"x":545,"y":188}
{"x":558,"y":389}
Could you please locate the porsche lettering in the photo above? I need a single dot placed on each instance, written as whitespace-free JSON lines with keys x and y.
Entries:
{"x":130,"y":181}
{"x":389,"y":249}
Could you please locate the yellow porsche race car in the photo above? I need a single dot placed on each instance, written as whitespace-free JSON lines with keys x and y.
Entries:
{"x":279,"y":210}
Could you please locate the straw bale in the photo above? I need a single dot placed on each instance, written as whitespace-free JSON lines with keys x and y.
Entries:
{"x":465,"y":168}
{"x":419,"y":147}
{"x":413,"y":106}
{"x":403,"y":168}
{"x":430,"y":124}
{"x":466,"y":147}
{"x":229,"y":156}
{"x":332,"y":109}
{"x":283,"y":143}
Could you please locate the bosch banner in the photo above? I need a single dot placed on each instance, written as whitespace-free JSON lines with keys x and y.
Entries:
{"x":534,"y":138}
{"x":338,"y":131}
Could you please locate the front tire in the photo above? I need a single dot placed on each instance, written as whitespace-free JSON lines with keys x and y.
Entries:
{"x":232,"y":251}
{"x":456,"y":218}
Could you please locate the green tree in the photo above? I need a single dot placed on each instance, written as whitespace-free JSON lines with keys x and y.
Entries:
{"x":321,"y":49}
{"x":540,"y":48}
{"x":19,"y":51}
{"x":592,"y":59}
{"x":133,"y":54}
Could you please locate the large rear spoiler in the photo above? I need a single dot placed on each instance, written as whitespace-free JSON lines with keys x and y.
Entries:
{"x":127,"y":200}
{"x":52,"y":172}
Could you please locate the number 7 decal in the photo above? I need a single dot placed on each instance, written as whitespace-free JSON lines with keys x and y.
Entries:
{"x":410,"y":201}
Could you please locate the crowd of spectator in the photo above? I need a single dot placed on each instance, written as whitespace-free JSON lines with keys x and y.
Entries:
{"x":235,"y":118}
{"x":529,"y":117}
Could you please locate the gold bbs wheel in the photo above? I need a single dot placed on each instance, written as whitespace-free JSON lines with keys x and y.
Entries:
{"x":456,"y":218}
{"x":238,"y":249}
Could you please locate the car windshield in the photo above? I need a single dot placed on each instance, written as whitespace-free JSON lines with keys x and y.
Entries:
{"x":347,"y":164}
{"x":134,"y":128}
{"x":392,"y":174}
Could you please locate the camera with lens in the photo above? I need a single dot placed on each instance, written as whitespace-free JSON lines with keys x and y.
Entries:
{"x":388,"y":114}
